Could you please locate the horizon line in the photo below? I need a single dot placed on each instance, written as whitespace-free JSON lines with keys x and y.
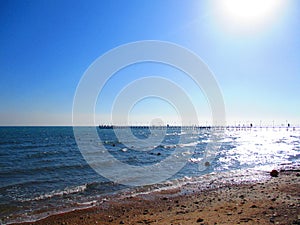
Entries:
{"x":162,"y":126}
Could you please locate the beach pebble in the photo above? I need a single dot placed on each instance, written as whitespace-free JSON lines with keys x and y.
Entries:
{"x":199,"y":220}
{"x":274,"y":173}
{"x":245,"y":220}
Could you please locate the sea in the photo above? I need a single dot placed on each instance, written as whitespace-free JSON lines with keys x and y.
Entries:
{"x":43,"y":171}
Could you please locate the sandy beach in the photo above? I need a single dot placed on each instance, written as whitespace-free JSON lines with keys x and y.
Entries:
{"x":275,"y":200}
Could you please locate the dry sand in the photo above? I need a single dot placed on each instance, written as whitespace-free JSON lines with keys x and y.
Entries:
{"x":274,"y":201}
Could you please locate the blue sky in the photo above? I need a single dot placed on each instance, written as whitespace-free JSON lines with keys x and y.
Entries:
{"x":46,"y":46}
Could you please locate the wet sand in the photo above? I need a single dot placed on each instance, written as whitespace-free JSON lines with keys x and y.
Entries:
{"x":275,"y":200}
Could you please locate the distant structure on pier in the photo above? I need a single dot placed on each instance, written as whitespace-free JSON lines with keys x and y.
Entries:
{"x":215,"y":127}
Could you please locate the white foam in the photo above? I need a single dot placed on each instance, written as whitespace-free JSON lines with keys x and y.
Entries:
{"x":66,"y":191}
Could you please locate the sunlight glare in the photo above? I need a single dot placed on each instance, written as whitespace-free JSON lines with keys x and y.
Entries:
{"x":248,"y":13}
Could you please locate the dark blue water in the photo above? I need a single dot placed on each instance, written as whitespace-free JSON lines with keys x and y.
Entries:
{"x":42,"y":171}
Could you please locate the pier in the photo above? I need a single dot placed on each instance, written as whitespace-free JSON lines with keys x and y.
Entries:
{"x":191,"y":127}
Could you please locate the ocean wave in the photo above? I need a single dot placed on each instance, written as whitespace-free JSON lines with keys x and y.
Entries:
{"x":41,"y":168}
{"x":195,"y":160}
{"x":66,"y":191}
{"x":191,"y":144}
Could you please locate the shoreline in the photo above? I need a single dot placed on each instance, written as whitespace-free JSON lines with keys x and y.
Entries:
{"x":274,"y":200}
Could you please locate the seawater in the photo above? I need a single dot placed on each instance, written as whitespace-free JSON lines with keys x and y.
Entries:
{"x":43,"y":172}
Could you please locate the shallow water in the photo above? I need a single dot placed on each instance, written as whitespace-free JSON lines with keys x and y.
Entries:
{"x":43,"y":171}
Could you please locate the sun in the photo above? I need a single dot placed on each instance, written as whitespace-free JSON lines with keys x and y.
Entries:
{"x":248,"y":14}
